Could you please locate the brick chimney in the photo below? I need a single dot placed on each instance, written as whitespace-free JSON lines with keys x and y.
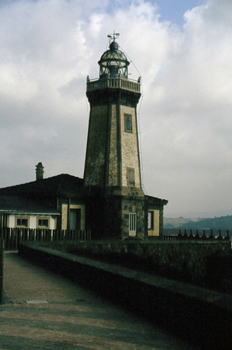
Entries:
{"x":39,"y":170}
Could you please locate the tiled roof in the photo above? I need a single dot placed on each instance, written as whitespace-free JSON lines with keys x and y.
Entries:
{"x":40,"y":196}
{"x":155,"y":200}
{"x":63,"y":184}
{"x":21,"y":205}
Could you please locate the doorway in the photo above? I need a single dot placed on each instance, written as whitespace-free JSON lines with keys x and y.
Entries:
{"x":75,"y":219}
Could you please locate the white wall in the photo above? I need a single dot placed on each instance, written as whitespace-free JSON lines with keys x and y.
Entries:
{"x":32,"y":221}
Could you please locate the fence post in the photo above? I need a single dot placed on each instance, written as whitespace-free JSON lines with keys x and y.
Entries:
{"x":211,"y":235}
{"x":220,"y":235}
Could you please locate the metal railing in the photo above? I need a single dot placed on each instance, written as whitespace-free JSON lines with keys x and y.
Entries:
{"x":187,"y":234}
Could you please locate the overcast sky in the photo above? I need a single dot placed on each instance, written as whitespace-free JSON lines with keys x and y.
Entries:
{"x":183,"y":51}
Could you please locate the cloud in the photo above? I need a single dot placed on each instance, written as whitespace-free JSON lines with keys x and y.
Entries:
{"x":47,"y":49}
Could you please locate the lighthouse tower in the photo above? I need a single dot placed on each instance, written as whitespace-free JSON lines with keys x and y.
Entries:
{"x":112,"y":158}
{"x":112,"y":165}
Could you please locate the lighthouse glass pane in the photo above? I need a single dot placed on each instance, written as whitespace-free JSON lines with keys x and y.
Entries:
{"x":128,"y":122}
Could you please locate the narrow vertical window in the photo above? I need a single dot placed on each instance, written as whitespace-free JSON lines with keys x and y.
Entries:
{"x":128,"y":122}
{"x":132,"y":224}
{"x":131,"y":177}
{"x":150,"y":220}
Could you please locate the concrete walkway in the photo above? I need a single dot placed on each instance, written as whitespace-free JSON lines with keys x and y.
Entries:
{"x":43,"y":310}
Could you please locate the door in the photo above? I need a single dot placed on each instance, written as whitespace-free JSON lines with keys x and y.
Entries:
{"x":74,"y":219}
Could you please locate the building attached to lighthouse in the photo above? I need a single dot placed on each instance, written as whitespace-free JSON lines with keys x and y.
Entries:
{"x":109,"y":201}
{"x":116,"y":204}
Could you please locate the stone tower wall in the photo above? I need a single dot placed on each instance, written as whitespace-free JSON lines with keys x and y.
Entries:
{"x":113,"y":177}
{"x":96,"y":148}
{"x":129,"y":147}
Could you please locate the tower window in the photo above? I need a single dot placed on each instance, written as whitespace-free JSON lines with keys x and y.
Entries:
{"x":128,"y":122}
{"x":130,"y":177}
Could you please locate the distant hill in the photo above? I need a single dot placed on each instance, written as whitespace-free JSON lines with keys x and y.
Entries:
{"x":176,"y":222}
{"x":217,"y":223}
{"x":221,"y":223}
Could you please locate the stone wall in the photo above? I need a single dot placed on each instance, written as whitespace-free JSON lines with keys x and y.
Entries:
{"x":202,"y":316}
{"x":1,"y":268}
{"x":107,"y":216}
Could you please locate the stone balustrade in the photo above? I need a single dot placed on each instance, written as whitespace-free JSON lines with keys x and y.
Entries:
{"x":113,"y":83}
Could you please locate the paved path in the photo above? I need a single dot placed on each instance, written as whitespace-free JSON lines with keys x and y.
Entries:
{"x":43,"y":310}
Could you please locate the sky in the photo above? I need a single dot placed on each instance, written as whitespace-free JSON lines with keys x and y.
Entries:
{"x":182,"y":49}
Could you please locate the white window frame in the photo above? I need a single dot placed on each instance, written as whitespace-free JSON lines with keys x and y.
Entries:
{"x":132,"y":224}
{"x":21,"y":218}
{"x":43,"y":219}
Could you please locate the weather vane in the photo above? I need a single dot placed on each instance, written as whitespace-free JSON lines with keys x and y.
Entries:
{"x":113,"y":36}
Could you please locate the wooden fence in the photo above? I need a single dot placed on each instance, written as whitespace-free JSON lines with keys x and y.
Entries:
{"x":12,"y":236}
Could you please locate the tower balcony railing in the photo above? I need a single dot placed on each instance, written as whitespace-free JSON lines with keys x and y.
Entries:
{"x":113,"y":83}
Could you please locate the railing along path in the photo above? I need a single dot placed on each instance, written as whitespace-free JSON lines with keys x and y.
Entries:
{"x":12,"y":236}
